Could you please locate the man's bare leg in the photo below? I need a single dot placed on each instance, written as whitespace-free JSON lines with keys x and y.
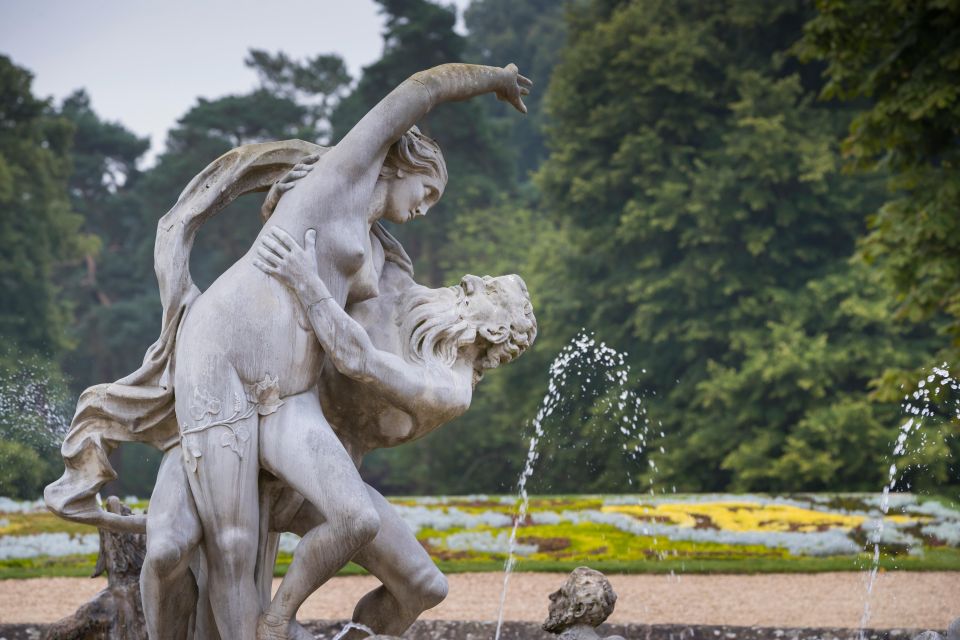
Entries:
{"x":299,"y":447}
{"x":411,"y":582}
{"x":173,"y":533}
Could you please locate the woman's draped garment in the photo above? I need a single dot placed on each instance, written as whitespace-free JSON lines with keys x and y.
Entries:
{"x":140,"y":406}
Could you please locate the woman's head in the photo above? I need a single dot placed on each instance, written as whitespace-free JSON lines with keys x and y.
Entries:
{"x":414,"y":174}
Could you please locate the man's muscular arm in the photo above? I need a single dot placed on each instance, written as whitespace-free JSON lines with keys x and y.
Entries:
{"x":345,"y":342}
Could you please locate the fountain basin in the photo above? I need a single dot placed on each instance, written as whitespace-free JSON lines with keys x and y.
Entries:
{"x":455,"y":630}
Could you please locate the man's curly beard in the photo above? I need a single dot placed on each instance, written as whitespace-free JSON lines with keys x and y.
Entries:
{"x":559,"y":618}
{"x":501,"y":353}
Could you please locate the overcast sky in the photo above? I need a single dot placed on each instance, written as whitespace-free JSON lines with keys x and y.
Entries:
{"x":145,"y":63}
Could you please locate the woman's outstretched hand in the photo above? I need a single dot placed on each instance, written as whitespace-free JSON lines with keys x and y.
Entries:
{"x":516,"y":87}
{"x":279,"y":255}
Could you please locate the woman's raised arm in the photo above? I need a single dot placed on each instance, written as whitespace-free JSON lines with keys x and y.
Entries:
{"x":368,"y":141}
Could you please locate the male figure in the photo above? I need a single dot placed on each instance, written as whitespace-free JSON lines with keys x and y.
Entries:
{"x":584,"y":601}
{"x":404,"y":364}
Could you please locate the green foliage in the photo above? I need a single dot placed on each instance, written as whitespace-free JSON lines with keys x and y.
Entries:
{"x":316,"y":84}
{"x":40,"y":236}
{"x":38,"y":230}
{"x":104,"y":157}
{"x":698,"y":176}
{"x":795,"y":407}
{"x":34,"y":405}
{"x":531,"y":35}
{"x":22,"y":471}
{"x":904,"y":59}
{"x":687,"y":206}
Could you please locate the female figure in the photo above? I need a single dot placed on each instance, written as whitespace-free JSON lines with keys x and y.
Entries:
{"x":246,"y":350}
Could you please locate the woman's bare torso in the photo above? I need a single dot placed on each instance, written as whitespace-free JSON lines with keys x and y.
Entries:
{"x":255,"y":324}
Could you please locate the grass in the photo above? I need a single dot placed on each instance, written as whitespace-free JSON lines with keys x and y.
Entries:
{"x":934,"y":560}
{"x":45,"y":567}
{"x":18,"y":524}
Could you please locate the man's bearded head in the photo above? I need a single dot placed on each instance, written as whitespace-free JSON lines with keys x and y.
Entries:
{"x":494,"y":314}
{"x":585,"y":598}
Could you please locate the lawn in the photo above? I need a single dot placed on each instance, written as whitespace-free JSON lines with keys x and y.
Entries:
{"x":704,"y":533}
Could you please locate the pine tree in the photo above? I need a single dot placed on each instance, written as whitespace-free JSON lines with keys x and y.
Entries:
{"x":38,"y":230}
{"x":39,"y":237}
{"x":104,"y":158}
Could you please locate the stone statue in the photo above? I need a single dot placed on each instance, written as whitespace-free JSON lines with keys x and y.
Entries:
{"x":245,"y":359}
{"x":584,"y":601}
{"x":115,"y":613}
{"x":405,"y":363}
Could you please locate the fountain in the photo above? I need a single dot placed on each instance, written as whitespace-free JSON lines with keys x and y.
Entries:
{"x":922,"y":406}
{"x":33,"y":404}
{"x":249,"y":352}
{"x":583,"y":359}
{"x":350,"y":626}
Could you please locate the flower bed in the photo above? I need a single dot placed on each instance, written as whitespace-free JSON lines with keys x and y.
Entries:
{"x":638,"y":528}
{"x":617,"y":532}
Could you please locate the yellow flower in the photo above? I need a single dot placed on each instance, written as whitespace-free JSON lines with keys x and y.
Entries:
{"x":747,"y":516}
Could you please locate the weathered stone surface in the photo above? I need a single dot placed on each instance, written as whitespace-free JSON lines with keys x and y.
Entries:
{"x":953,"y":633}
{"x":584,"y":602}
{"x":444,"y":630}
{"x":447,"y":630}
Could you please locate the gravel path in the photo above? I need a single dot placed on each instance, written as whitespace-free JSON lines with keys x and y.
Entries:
{"x":928,"y":600}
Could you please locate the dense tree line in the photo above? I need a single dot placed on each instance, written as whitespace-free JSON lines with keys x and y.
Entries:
{"x":682,"y":188}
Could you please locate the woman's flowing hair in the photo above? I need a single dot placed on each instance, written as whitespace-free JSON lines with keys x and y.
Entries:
{"x":415,"y":152}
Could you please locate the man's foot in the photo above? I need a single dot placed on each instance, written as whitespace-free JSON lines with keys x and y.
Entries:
{"x":273,"y":627}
